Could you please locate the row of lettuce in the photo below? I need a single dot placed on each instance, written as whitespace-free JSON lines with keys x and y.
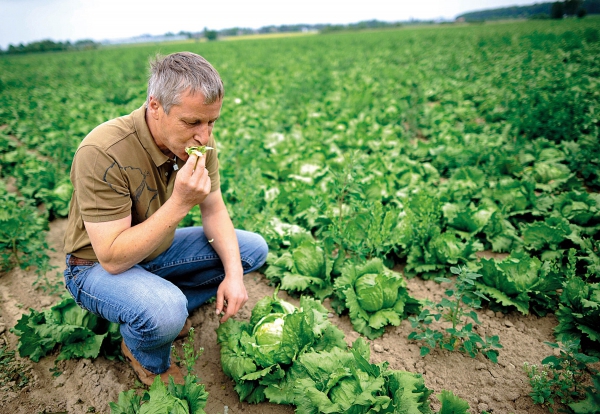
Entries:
{"x":284,"y":355}
{"x":408,"y":155}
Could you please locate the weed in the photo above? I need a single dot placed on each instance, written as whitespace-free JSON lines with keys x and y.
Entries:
{"x":456,"y":308}
{"x":190,"y":356}
{"x":560,"y":378}
{"x":50,"y":287}
{"x":13,"y":373}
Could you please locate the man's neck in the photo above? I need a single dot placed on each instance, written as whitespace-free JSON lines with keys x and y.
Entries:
{"x":152,"y":128}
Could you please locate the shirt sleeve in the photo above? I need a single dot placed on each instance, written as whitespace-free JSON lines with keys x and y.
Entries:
{"x":101,"y":187}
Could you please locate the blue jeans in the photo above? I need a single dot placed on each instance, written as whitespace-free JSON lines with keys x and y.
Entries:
{"x":152,"y":300}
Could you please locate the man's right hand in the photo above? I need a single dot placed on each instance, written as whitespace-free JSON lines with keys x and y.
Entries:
{"x":192,"y":183}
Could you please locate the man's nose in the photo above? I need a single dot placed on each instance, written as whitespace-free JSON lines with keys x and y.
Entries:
{"x":202,"y":134}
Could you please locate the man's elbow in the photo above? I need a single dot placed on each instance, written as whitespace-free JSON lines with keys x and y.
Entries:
{"x":113,"y":267}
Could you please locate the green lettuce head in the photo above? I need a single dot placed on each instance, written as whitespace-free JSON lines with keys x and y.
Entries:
{"x":269,"y":330}
{"x":375,"y":292}
{"x":302,"y":268}
{"x":345,"y":390}
{"x":375,"y":296}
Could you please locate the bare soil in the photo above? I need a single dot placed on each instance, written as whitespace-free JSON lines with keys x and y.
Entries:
{"x":89,"y":385}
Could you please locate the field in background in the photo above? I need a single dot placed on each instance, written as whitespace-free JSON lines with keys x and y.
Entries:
{"x":469,"y":138}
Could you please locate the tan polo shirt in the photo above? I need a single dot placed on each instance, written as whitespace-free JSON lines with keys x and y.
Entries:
{"x":119,"y":170}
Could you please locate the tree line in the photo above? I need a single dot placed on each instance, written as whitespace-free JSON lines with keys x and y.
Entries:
{"x":49,"y":46}
{"x":554,"y":10}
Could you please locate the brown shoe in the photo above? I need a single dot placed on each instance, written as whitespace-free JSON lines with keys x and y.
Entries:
{"x":146,"y":376}
{"x":185,"y":330}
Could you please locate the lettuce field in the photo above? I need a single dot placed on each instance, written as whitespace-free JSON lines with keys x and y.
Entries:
{"x":430,"y":196}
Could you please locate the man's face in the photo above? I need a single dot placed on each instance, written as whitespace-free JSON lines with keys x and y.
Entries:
{"x":188,"y":124}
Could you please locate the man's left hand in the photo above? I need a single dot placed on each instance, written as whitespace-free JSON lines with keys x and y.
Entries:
{"x":231,"y":296}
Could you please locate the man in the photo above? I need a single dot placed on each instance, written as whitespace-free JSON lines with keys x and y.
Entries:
{"x":133,"y":183}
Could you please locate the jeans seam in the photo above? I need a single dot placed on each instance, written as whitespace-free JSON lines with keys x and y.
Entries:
{"x":249,"y":261}
{"x":214,"y":279}
{"x":197,"y":259}
{"x":184,"y":261}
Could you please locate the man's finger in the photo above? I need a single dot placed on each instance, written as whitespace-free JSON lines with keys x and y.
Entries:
{"x":195,"y":162}
{"x":229,"y":312}
{"x":219,"y":307}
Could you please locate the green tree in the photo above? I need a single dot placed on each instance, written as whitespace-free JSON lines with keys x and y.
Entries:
{"x":558,"y":10}
{"x":210,"y":34}
{"x":572,"y":7}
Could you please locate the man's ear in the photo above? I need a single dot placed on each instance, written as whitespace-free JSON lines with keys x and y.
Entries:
{"x":154,"y":107}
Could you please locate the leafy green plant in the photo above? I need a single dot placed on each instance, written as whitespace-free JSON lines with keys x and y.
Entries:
{"x":560,"y":378}
{"x":520,"y":281}
{"x":12,"y":371}
{"x":344,"y":381}
{"x":430,"y":251}
{"x":77,"y":332}
{"x":188,"y":398}
{"x":258,"y":354}
{"x":304,"y":267}
{"x":295,"y":356}
{"x":355,"y":225}
{"x":579,"y":313}
{"x":456,"y":309}
{"x":190,"y":355}
{"x":22,"y":235}
{"x":374,"y":296}
{"x":590,"y":404}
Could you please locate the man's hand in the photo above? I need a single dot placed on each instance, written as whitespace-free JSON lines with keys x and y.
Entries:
{"x":192,"y":184}
{"x":231,"y":296}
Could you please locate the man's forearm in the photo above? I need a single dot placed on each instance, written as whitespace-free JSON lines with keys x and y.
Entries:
{"x":121,"y":247}
{"x":219,"y":228}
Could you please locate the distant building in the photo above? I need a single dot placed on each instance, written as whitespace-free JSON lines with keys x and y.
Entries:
{"x":145,"y":39}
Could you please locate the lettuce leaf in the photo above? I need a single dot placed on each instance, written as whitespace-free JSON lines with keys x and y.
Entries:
{"x":77,"y":332}
{"x":375,"y":297}
{"x":261,"y":371}
{"x":303,"y":268}
{"x":518,"y":280}
{"x":579,"y":313}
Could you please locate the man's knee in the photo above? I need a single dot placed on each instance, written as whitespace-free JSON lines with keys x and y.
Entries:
{"x":253,"y":249}
{"x":262,"y":249}
{"x":163,"y":315}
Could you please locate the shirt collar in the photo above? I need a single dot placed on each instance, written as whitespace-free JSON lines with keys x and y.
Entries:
{"x":146,"y":138}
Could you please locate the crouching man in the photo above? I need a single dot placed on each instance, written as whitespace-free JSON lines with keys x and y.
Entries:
{"x":133,"y":183}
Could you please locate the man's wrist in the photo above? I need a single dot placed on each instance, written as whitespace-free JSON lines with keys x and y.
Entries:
{"x":234,"y":272}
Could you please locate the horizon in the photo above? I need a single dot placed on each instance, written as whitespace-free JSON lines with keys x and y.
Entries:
{"x":27,"y":21}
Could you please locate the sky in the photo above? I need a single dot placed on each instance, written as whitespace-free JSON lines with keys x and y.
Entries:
{"x":24,"y":21}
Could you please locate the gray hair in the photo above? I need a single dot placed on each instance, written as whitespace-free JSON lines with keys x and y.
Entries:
{"x":173,"y":74}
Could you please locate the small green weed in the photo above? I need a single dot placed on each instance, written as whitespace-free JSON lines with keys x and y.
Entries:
{"x":456,"y":308}
{"x":190,"y":356}
{"x":559,"y":379}
{"x":22,"y":235}
{"x":54,"y":287}
{"x":13,"y":373}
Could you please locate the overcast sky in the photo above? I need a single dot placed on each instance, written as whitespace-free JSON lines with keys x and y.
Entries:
{"x":24,"y":21}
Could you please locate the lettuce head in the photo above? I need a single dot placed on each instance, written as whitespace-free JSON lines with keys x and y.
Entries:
{"x":375,"y":296}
